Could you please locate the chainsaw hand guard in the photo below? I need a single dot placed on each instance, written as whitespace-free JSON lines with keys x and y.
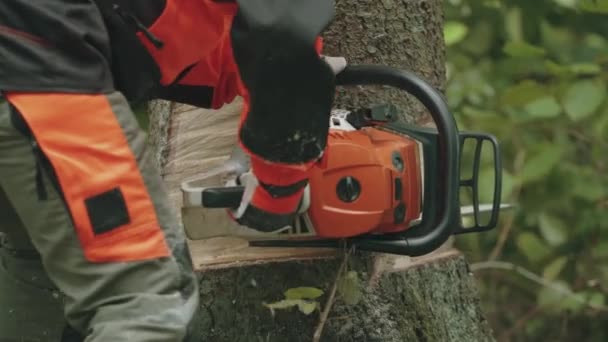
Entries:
{"x":472,"y":182}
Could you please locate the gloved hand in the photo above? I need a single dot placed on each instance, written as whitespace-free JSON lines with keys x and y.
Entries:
{"x":267,"y":208}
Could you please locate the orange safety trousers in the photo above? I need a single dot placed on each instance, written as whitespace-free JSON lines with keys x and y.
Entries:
{"x":98,"y":174}
{"x":76,"y":173}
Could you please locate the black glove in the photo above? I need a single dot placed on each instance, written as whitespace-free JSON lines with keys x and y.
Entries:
{"x":291,"y":88}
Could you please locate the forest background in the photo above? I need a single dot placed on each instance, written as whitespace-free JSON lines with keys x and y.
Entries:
{"x":534,"y":73}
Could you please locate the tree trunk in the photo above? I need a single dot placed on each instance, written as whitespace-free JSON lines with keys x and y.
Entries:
{"x":377,"y":297}
{"x":394,"y":299}
{"x":407,"y":34}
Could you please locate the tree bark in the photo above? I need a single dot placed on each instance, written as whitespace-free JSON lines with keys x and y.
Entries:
{"x":431,"y":299}
{"x":407,"y":34}
{"x":378,"y":297}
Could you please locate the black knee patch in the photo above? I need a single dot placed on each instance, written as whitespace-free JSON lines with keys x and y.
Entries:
{"x":107,"y":211}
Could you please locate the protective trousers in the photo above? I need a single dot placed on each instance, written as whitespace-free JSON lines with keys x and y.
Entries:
{"x":90,"y":239}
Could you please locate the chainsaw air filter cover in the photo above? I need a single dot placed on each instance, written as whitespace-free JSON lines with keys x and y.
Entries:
{"x":368,"y":181}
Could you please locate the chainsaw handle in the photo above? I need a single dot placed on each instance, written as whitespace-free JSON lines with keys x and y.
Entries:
{"x":222,"y":197}
{"x":441,"y":194}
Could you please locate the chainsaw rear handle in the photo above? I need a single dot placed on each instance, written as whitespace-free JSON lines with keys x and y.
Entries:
{"x":440,"y":211}
{"x":223,"y":197}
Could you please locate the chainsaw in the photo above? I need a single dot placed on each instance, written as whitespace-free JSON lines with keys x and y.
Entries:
{"x":382,"y":185}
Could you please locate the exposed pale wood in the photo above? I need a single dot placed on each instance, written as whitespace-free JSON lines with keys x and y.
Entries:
{"x":226,"y":252}
{"x":200,"y":139}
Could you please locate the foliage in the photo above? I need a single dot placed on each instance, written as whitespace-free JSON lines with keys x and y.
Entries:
{"x":349,"y":288}
{"x":534,"y":73}
{"x":141,"y":114}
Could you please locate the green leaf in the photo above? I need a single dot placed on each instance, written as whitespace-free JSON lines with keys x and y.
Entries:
{"x":556,"y":37}
{"x":350,"y":288}
{"x":583,"y":98}
{"x":600,"y":250}
{"x":595,"y":41}
{"x":602,"y":274}
{"x":600,"y":125}
{"x":508,"y":183}
{"x":566,"y":3}
{"x":532,"y":246}
{"x":541,"y":163}
{"x":454,"y":32}
{"x":303,"y":293}
{"x":552,"y":229}
{"x":306,"y":307}
{"x":576,"y":69}
{"x":282,"y":304}
{"x":487,"y":181}
{"x":522,"y":93}
{"x":543,"y":108}
{"x":594,"y":6}
{"x":514,"y":23}
{"x":553,"y":270}
{"x":555,"y":301}
{"x":523,"y":49}
{"x":585,"y":69}
{"x":480,"y":38}
{"x":574,"y":303}
{"x":596,"y":299}
{"x":492,"y":3}
{"x":585,"y":185}
{"x":557,"y":69}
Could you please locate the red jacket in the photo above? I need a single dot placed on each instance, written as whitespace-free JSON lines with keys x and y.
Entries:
{"x":301,"y":108}
{"x":201,"y":52}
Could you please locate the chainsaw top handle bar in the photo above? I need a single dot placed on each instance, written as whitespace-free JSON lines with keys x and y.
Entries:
{"x":440,"y":211}
{"x":440,"y":206}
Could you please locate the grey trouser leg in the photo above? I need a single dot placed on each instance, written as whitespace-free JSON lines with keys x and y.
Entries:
{"x":31,"y":306}
{"x":135,"y":299}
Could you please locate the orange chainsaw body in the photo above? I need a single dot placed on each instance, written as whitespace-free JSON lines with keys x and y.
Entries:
{"x":368,"y":181}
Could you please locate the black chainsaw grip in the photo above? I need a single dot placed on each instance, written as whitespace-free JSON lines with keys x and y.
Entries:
{"x":223,"y":197}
